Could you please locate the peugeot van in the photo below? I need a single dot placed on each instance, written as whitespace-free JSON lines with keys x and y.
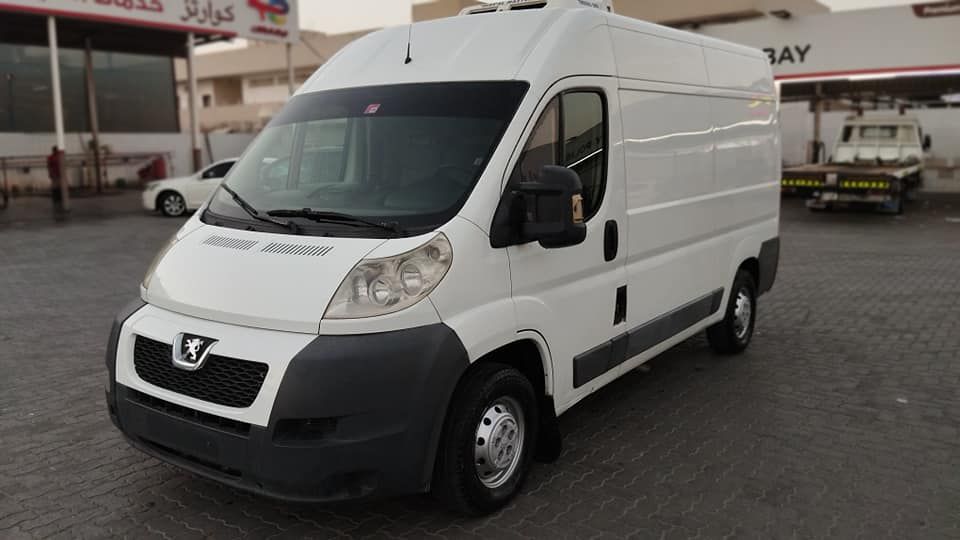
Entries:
{"x":451,"y":234}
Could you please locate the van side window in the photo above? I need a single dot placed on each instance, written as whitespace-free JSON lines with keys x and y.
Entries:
{"x":579,"y":115}
{"x":543,"y":147}
{"x":584,"y":141}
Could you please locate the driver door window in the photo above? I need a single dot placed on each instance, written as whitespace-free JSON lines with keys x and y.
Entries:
{"x":571,"y":132}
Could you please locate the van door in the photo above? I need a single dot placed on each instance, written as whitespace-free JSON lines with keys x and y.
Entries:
{"x":570,"y":295}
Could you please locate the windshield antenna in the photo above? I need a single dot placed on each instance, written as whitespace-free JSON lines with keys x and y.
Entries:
{"x":409,"y":36}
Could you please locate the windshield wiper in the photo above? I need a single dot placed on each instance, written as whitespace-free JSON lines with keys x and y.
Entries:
{"x":255,"y":214}
{"x":338,"y":217}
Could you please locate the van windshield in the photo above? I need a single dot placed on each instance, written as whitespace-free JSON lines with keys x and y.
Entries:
{"x":373,"y":161}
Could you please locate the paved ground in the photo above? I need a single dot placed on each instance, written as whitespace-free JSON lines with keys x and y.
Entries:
{"x":841,"y":421}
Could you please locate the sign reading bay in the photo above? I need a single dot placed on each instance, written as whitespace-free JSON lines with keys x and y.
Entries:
{"x":270,"y":20}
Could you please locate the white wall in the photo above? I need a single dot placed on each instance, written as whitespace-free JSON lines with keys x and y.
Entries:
{"x":203,"y":87}
{"x":277,"y":93}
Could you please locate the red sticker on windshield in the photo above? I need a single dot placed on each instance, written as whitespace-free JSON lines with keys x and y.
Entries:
{"x":372,"y":108}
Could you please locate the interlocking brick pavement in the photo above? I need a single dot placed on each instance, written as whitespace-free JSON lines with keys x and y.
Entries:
{"x":841,"y":421}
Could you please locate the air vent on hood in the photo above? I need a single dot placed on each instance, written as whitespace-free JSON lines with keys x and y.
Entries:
{"x":231,"y":243}
{"x":297,"y":249}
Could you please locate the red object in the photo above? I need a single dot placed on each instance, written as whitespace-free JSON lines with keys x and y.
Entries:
{"x":155,"y":170}
{"x":159,"y":167}
{"x":53,"y":166}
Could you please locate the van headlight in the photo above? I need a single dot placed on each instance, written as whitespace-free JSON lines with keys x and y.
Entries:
{"x":380,"y":286}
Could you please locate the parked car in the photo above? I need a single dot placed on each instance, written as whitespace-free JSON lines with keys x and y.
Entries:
{"x":177,"y":196}
{"x":421,"y":262}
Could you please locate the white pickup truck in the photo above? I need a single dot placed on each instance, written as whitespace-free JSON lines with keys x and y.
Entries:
{"x":876,"y":161}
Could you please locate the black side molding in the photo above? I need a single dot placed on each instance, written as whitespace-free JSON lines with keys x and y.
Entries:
{"x":769,"y":261}
{"x":602,"y":358}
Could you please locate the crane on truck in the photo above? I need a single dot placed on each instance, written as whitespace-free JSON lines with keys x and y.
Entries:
{"x":876,"y":161}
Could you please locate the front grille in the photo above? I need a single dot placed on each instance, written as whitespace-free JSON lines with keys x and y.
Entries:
{"x":225,"y":381}
{"x":185,"y":413}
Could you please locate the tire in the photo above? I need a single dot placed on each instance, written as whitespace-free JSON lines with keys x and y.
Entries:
{"x":729,"y":336}
{"x":494,"y":406}
{"x":171,"y":204}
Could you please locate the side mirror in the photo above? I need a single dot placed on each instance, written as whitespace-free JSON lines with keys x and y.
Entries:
{"x":927,"y":142}
{"x":549,"y":210}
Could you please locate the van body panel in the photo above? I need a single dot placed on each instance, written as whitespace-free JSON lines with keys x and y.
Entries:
{"x":420,"y":314}
{"x":558,"y":54}
{"x":476,"y":291}
{"x":667,"y":59}
{"x":738,"y":70}
{"x":225,"y":275}
{"x":671,"y":202}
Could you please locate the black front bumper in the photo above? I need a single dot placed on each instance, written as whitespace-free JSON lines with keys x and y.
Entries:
{"x":355,"y":416}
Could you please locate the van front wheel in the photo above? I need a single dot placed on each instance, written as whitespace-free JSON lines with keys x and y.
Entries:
{"x":488,"y":442}
{"x":733,"y":333}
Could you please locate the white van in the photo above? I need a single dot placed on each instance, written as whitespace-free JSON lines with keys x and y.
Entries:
{"x":452,"y":234}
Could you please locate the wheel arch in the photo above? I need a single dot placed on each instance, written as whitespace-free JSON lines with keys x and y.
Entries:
{"x":530,"y":355}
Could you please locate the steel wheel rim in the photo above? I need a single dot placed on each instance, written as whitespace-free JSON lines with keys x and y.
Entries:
{"x":173,"y":205}
{"x":498,"y":442}
{"x":742,"y":314}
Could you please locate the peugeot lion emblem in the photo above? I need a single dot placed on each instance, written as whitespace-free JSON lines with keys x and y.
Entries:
{"x":190,"y":351}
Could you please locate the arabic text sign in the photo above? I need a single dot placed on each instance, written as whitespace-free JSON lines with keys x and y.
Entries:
{"x":272,"y":20}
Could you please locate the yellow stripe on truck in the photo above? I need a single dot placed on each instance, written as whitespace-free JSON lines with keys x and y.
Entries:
{"x":801,"y":182}
{"x":864,"y":184}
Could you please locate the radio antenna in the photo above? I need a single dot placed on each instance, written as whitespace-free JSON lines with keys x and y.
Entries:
{"x":409,"y":37}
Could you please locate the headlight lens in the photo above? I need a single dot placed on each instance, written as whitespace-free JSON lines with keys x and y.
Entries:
{"x":152,"y":186}
{"x":156,"y":260}
{"x":380,"y":286}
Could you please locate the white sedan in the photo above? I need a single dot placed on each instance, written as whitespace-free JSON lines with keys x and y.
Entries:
{"x":176,"y":196}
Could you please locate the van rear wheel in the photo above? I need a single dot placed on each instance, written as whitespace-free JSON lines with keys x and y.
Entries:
{"x":488,"y":441}
{"x":732,"y":335}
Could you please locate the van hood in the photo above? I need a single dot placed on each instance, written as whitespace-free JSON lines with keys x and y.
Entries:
{"x":262,"y":280}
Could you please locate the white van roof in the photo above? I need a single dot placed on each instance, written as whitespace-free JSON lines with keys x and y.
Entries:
{"x":507,"y":5}
{"x":538,"y":45}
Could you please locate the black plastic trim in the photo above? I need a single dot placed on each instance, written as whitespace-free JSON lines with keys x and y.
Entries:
{"x":591,"y":364}
{"x":110,"y":357}
{"x":769,"y":261}
{"x":602,"y":358}
{"x":379,"y":400}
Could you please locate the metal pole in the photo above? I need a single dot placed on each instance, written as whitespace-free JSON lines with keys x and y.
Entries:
{"x":92,"y":115}
{"x":6,"y":185}
{"x":192,"y":98}
{"x":290,"y":87}
{"x":817,"y":114}
{"x":58,"y":109}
